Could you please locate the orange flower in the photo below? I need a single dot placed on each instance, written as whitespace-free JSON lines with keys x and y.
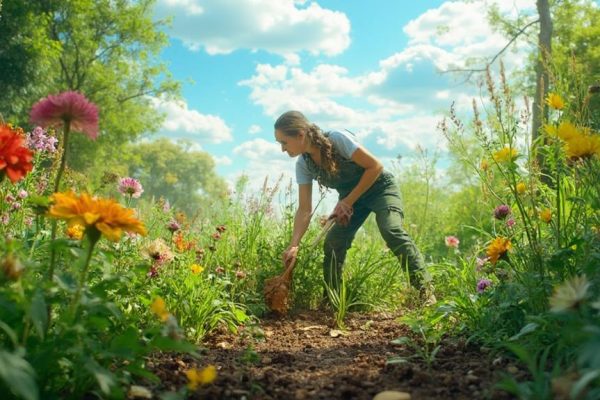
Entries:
{"x":102,"y":215}
{"x":546,"y":215}
{"x":498,"y":249}
{"x":75,"y":232}
{"x":15,"y":158}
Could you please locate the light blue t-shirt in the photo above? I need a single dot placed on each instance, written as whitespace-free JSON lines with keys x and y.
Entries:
{"x":344,"y":143}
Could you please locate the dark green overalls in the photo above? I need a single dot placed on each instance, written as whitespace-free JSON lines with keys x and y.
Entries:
{"x":382,"y":198}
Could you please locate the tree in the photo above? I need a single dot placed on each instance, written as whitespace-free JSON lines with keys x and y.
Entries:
{"x":106,"y":49}
{"x":172,"y":171}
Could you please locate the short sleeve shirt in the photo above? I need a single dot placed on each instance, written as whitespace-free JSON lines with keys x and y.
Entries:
{"x":344,"y":143}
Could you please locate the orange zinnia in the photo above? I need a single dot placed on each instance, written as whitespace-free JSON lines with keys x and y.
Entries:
{"x":498,"y":248}
{"x":103,"y":215}
{"x":15,"y":158}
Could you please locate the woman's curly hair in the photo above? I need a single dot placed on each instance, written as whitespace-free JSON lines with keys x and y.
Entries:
{"x":291,"y":123}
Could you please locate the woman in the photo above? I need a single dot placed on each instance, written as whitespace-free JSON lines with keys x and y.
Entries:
{"x":336,"y":160}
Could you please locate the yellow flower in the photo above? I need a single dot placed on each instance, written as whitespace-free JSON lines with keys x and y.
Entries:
{"x":569,"y":294}
{"x":546,"y":215}
{"x":498,"y":248}
{"x":159,"y":308}
{"x":582,"y":146}
{"x":505,"y":154}
{"x":200,"y":377}
{"x":555,"y":101}
{"x":196,"y":269}
{"x":75,"y":231}
{"x":567,"y":130}
{"x":103,"y":215}
{"x":521,"y":188}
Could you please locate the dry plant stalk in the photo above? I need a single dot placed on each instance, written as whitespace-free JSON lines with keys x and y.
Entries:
{"x":277,"y":288}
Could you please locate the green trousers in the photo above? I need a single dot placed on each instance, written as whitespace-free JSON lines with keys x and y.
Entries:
{"x":383,"y":199}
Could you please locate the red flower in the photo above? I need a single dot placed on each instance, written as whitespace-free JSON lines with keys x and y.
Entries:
{"x":67,"y":108}
{"x":15,"y":157}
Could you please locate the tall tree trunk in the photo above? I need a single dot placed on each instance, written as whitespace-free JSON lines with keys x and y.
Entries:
{"x":540,"y":109}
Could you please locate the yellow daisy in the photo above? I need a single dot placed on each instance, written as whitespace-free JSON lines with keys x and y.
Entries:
{"x":198,"y":377}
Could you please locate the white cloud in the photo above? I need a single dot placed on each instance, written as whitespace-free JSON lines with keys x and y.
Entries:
{"x":260,"y":149}
{"x":222,"y":160}
{"x":254,"y":129}
{"x":282,"y":27}
{"x":185,"y":122}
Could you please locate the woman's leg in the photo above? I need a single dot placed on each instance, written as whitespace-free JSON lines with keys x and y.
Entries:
{"x":389,"y":221}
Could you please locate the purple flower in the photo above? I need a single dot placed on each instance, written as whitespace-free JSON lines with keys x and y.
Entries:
{"x":130,"y":187}
{"x":483,"y":284}
{"x":39,"y":140}
{"x":510,"y":222}
{"x":173,"y":226}
{"x":501,"y":211}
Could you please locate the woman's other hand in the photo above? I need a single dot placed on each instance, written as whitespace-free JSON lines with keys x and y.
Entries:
{"x":342,"y":213}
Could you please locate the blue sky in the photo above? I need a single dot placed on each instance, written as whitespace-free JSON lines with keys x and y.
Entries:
{"x":372,"y":67}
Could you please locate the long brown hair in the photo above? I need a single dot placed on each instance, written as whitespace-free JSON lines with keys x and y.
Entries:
{"x":291,"y":123}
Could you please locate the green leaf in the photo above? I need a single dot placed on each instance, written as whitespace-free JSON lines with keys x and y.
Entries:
{"x":104,"y":377}
{"x":397,"y":360}
{"x":530,"y":327}
{"x":18,"y":375}
{"x":167,"y":344}
{"x":127,"y":345}
{"x":38,"y":313}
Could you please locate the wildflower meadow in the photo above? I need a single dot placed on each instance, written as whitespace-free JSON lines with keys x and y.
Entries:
{"x":100,"y":281}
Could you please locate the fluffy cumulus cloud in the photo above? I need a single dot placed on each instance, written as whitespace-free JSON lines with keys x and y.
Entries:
{"x":282,"y":27}
{"x":182,"y":121}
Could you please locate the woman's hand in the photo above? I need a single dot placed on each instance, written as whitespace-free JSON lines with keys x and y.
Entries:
{"x":289,"y":255}
{"x":342,"y":213}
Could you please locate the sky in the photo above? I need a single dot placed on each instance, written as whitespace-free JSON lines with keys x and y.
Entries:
{"x":372,"y":67}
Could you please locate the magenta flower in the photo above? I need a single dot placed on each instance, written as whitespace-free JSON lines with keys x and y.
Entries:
{"x":130,"y":187}
{"x":510,"y":222}
{"x":483,"y":284}
{"x":452,"y":241}
{"x":501,"y":211}
{"x":67,"y":108}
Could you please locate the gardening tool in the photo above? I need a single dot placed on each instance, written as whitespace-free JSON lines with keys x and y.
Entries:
{"x":277,"y":288}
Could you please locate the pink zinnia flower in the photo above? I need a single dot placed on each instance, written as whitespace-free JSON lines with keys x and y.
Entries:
{"x":67,"y":108}
{"x":452,"y":241}
{"x":483,"y":284}
{"x":130,"y":187}
{"x":173,"y":226}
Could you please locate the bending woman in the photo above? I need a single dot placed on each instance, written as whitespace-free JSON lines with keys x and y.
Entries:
{"x":336,"y":160}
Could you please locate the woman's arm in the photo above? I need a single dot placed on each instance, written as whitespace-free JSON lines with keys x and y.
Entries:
{"x":301,"y":221}
{"x":373,"y":169}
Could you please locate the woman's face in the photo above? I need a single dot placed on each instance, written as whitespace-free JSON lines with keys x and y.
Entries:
{"x":293,"y":145}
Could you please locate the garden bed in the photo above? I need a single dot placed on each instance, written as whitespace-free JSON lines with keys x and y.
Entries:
{"x":303,"y":357}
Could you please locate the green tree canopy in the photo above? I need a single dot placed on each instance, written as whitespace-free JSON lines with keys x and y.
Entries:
{"x":172,"y":171}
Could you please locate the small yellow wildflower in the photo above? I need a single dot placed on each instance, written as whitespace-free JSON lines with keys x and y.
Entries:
{"x":555,"y":101}
{"x":484,"y":165}
{"x":505,"y":154}
{"x":196,"y":268}
{"x":521,"y":187}
{"x":569,"y":294}
{"x":159,"y":308}
{"x":200,"y":377}
{"x":546,"y":215}
{"x":75,"y":231}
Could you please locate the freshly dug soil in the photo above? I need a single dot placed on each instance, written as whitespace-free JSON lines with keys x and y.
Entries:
{"x":302,"y":357}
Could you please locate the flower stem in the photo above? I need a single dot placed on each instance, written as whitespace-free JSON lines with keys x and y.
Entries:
{"x":92,"y":236}
{"x":63,"y":159}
